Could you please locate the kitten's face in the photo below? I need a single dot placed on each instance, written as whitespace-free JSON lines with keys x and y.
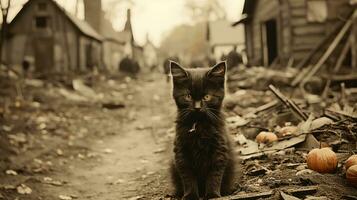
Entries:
{"x":199,"y":91}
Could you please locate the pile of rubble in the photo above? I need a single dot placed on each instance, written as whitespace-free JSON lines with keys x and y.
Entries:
{"x":274,"y":134}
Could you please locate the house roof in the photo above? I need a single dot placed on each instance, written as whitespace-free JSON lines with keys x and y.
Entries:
{"x":81,"y":25}
{"x":109,"y":33}
{"x":249,"y":6}
{"x":221,"y":32}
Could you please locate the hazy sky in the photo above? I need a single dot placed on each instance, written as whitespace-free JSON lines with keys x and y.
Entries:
{"x":152,"y":17}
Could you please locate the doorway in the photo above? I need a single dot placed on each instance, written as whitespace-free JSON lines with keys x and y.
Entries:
{"x":44,"y":54}
{"x":270,"y":41}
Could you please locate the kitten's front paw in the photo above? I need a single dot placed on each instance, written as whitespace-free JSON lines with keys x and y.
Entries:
{"x":191,"y":196}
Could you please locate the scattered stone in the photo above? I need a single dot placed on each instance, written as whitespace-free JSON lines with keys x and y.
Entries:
{"x":65,"y":197}
{"x":23,"y":189}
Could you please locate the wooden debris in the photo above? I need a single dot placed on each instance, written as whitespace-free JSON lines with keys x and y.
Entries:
{"x":262,"y":108}
{"x":287,"y":197}
{"x":289,"y":103}
{"x":341,"y":113}
{"x":327,"y":53}
{"x":249,"y":196}
{"x":303,"y":191}
{"x":337,"y":67}
{"x":310,"y":143}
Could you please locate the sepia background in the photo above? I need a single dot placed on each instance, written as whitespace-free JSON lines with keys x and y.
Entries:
{"x":85,"y":95}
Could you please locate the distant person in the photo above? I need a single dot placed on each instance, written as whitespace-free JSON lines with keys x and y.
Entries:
{"x":129,"y":65}
{"x":166,"y":66}
{"x":233,"y":59}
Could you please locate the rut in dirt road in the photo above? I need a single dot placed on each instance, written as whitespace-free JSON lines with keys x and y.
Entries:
{"x":136,"y":159}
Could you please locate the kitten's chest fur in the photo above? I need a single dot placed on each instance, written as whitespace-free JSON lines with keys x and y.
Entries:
{"x":199,"y":147}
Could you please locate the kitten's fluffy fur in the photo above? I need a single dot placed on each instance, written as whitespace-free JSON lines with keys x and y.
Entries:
{"x":203,"y":165}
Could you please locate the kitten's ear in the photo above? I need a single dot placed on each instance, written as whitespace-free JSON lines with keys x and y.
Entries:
{"x":219,"y":70}
{"x":177,"y":71}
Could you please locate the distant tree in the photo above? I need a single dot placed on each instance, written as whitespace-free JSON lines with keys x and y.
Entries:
{"x":186,"y":41}
{"x":4,"y":6}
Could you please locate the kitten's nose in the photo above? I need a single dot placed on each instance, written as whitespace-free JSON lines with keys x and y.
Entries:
{"x":197,"y":105}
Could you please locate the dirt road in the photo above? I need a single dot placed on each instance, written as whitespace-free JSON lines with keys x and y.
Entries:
{"x":122,"y":153}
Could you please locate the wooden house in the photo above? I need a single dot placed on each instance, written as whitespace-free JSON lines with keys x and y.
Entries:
{"x":289,"y":31}
{"x":54,"y":39}
{"x":150,"y":53}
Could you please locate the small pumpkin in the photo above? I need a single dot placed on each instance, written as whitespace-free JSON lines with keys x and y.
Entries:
{"x":266,"y":137}
{"x":351,"y":175}
{"x":287,"y":130}
{"x":351,"y":161}
{"x":322,"y":160}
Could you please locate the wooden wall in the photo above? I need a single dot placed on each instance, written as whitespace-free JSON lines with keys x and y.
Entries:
{"x":67,"y":42}
{"x":297,"y":36}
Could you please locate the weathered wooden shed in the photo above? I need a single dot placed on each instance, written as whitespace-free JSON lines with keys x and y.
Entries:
{"x":54,"y":39}
{"x":279,"y":31}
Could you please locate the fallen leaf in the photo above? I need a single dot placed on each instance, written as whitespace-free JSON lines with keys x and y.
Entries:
{"x":23,"y":189}
{"x":11,"y":172}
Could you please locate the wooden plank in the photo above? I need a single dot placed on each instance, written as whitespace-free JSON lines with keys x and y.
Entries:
{"x":299,"y":21}
{"x":309,"y":29}
{"x":297,"y":3}
{"x":306,"y":190}
{"x":328,"y":52}
{"x":249,"y":196}
{"x":298,"y":12}
{"x":303,"y":47}
{"x":353,"y":42}
{"x":308,"y":39}
{"x":289,"y":103}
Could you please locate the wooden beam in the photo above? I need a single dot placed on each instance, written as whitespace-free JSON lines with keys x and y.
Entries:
{"x":338,"y":65}
{"x":353,"y":41}
{"x":289,"y":103}
{"x":327,"y":53}
{"x":318,"y":47}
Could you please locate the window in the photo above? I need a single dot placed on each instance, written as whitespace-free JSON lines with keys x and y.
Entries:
{"x":42,"y":6}
{"x":317,"y":11}
{"x":41,"y":22}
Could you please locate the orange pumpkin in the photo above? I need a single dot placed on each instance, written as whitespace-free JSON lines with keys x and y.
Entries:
{"x":351,"y":161}
{"x":351,"y":175}
{"x":266,"y":137}
{"x":322,"y":160}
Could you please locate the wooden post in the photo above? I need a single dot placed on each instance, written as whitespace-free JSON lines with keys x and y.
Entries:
{"x":353,"y":41}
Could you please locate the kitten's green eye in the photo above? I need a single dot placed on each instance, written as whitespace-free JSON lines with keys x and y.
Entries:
{"x":188,"y":97}
{"x":207,"y":97}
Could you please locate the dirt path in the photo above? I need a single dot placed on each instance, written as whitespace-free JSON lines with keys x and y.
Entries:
{"x":110,"y":154}
{"x":133,"y":163}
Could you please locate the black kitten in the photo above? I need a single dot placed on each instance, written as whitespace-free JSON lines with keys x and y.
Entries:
{"x":203,"y":165}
